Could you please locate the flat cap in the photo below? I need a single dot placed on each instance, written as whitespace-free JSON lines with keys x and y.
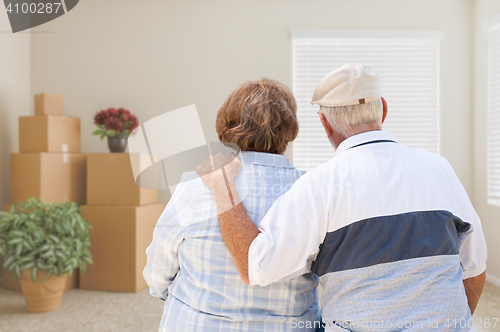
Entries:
{"x":351,"y":84}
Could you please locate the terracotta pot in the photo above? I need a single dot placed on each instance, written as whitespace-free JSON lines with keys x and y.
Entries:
{"x":117,"y":143}
{"x":42,"y":297}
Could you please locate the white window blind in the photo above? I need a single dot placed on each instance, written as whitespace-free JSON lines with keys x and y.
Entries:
{"x":408,"y":65}
{"x":493,"y":150}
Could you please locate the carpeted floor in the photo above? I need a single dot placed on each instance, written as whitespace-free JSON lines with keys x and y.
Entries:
{"x":488,"y":307}
{"x":96,"y":311}
{"x":84,"y":311}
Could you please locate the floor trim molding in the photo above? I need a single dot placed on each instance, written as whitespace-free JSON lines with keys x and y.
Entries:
{"x":492,"y":279}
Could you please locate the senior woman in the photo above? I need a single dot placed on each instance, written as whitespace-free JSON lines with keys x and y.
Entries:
{"x":188,"y":265}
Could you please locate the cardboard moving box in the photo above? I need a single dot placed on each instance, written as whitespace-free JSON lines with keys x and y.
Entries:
{"x":49,"y":104}
{"x":119,"y":239}
{"x":49,"y":133}
{"x":110,"y":181}
{"x":53,"y":177}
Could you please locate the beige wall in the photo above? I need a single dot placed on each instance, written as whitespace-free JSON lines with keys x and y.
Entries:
{"x":489,"y":214}
{"x":14,"y":97}
{"x":156,"y":56}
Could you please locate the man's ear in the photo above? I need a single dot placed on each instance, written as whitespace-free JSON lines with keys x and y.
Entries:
{"x":326,"y":125}
{"x":384,"y":114}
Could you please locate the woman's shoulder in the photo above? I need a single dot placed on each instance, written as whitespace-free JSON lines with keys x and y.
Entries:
{"x":190,"y":182}
{"x":299,"y":172}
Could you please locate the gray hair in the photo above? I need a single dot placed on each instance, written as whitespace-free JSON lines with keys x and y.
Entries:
{"x":354,"y":119}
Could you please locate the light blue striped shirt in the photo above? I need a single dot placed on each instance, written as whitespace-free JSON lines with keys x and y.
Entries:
{"x":190,"y":267}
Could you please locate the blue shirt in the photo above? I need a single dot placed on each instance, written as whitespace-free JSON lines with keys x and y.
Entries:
{"x":190,"y":267}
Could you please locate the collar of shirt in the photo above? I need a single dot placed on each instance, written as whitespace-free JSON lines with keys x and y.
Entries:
{"x":266,"y":159}
{"x":363,"y":138}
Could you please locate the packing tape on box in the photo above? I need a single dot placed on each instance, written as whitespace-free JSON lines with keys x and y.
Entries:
{"x":65,"y":158}
{"x":65,"y":147}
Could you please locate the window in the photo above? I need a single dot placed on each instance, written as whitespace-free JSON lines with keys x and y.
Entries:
{"x":408,"y":65}
{"x":493,"y":150}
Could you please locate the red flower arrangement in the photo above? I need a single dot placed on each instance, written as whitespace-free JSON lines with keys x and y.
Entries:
{"x":115,"y":122}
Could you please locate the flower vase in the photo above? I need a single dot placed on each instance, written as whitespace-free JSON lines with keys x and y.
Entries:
{"x":42,"y":297}
{"x":117,"y":143}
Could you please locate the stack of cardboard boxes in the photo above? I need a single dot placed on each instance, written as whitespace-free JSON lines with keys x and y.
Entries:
{"x":49,"y":165}
{"x":123,"y":217}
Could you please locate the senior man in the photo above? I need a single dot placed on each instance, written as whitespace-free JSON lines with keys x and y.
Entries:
{"x":389,"y":229}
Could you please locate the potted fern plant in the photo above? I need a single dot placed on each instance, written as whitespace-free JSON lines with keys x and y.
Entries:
{"x":42,"y":243}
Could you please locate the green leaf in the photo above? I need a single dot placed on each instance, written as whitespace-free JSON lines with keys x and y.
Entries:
{"x":16,"y":234}
{"x":28,"y":265}
{"x":19,"y":249}
{"x":48,"y":273}
{"x":111,"y":132}
{"x":31,"y":241}
{"x":45,"y":247}
{"x":25,"y":259}
{"x":27,"y":245}
{"x":97,"y":132}
{"x":73,"y":221}
{"x":103,"y":135}
{"x":54,"y":238}
{"x":16,"y":240}
{"x":41,"y":265}
{"x":38,"y":235}
{"x":30,"y":224}
{"x":7,"y":262}
{"x":47,"y":254}
{"x":17,"y":272}
{"x":34,"y":274}
{"x":100,"y":126}
{"x":58,"y":228}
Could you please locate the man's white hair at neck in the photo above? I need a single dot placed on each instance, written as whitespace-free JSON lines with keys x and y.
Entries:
{"x":354,"y":119}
